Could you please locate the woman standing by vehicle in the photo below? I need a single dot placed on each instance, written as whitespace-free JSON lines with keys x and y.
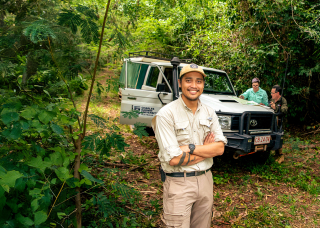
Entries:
{"x":256,"y":94}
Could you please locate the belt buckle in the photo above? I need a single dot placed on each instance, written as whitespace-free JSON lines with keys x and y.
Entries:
{"x":196,"y":173}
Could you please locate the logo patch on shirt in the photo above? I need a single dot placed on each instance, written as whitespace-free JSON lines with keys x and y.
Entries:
{"x":194,"y":66}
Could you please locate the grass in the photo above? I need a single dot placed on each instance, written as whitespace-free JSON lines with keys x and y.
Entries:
{"x":246,"y":194}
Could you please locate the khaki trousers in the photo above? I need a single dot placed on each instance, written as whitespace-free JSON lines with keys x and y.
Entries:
{"x":188,"y":201}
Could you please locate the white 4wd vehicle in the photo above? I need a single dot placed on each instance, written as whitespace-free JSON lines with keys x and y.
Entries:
{"x":150,"y":82}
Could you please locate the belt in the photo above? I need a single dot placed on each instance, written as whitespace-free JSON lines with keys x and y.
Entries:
{"x":190,"y":174}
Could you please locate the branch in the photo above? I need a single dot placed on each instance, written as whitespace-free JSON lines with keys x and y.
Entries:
{"x":273,"y":34}
{"x":300,"y":27}
{"x":65,"y":82}
{"x":94,"y":72}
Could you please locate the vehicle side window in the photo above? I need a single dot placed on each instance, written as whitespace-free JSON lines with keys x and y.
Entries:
{"x":153,"y":77}
{"x":136,"y":73}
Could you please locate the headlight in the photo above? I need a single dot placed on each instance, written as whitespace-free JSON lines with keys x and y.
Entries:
{"x":225,"y":122}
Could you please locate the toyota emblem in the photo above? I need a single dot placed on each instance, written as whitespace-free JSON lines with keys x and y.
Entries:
{"x":253,"y":123}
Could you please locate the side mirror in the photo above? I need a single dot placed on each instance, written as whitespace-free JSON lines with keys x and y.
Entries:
{"x":161,"y":87}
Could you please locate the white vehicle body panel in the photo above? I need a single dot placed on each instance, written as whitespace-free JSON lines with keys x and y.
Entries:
{"x":214,"y":102}
{"x":147,"y":102}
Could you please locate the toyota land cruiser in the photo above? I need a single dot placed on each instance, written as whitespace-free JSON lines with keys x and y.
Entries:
{"x":150,"y":81}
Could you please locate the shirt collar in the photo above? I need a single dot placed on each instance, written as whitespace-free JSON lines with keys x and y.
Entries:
{"x":184,"y":104}
{"x":257,"y":91}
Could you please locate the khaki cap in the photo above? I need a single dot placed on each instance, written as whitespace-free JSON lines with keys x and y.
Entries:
{"x":192,"y":68}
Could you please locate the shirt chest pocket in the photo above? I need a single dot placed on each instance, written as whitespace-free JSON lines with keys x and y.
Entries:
{"x":205,"y":127}
{"x":182,"y":132}
{"x":259,"y":98}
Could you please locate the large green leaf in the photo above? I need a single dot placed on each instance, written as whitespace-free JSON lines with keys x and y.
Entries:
{"x":10,"y":178}
{"x":56,"y":129}
{"x":15,"y":132}
{"x":45,"y":117}
{"x":29,"y":113}
{"x":9,"y":117}
{"x":26,"y":221}
{"x":39,"y":163}
{"x":24,"y":125}
{"x":56,"y":159}
{"x":63,"y":173}
{"x":35,"y":192}
{"x":34,"y":205}
{"x":20,"y":184}
{"x":40,"y":217}
{"x":90,"y":177}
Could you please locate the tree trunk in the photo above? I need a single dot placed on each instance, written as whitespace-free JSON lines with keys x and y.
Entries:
{"x":77,"y":175}
{"x":81,"y":136}
{"x":2,"y":18}
{"x":31,"y":68}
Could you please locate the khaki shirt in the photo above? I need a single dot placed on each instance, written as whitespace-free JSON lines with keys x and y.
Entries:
{"x":284,"y":106}
{"x":175,"y":125}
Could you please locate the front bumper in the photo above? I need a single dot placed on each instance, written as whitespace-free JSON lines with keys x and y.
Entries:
{"x":243,"y":144}
{"x":243,"y":141}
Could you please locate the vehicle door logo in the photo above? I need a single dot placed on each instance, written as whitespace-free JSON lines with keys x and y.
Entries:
{"x":253,"y":123}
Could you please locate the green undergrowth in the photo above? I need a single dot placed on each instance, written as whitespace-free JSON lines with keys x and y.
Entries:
{"x":248,"y":194}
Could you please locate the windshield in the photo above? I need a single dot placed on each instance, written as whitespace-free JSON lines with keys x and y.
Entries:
{"x":216,"y":83}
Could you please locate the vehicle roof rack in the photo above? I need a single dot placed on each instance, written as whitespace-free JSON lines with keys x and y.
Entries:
{"x":156,"y":55}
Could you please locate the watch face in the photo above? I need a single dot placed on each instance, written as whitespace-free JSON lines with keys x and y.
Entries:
{"x":192,"y":146}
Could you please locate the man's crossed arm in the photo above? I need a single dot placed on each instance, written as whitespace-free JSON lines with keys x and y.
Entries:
{"x":209,"y":149}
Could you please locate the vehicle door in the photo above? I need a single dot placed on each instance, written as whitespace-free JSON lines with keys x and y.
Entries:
{"x":148,"y":98}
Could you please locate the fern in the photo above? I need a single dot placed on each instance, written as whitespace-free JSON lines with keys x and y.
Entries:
{"x":140,"y":129}
{"x":38,"y":31}
{"x":99,"y":121}
{"x":103,"y":146}
{"x":124,"y":191}
{"x":84,"y":18}
{"x":89,"y":141}
{"x":131,"y":114}
{"x":100,"y":89}
{"x":117,"y":141}
{"x":105,"y":206}
{"x":87,"y":12}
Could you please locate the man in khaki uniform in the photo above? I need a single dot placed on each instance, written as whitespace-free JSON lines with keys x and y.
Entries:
{"x":189,"y":135}
{"x":278,"y":103}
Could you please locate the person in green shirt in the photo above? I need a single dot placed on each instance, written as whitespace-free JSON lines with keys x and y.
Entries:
{"x":256,"y":94}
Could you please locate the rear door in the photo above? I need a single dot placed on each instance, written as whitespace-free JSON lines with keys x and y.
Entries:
{"x":145,"y":99}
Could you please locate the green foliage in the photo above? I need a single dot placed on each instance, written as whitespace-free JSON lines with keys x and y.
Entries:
{"x":131,"y":114}
{"x":83,"y":17}
{"x":247,"y":39}
{"x":78,"y":85}
{"x":39,"y":31}
{"x":35,"y":160}
{"x":100,"y":89}
{"x":140,"y":129}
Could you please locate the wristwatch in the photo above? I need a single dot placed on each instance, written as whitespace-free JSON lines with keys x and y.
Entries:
{"x":191,"y":147}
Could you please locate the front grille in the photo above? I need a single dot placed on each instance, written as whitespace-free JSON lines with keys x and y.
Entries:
{"x":263,"y":122}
